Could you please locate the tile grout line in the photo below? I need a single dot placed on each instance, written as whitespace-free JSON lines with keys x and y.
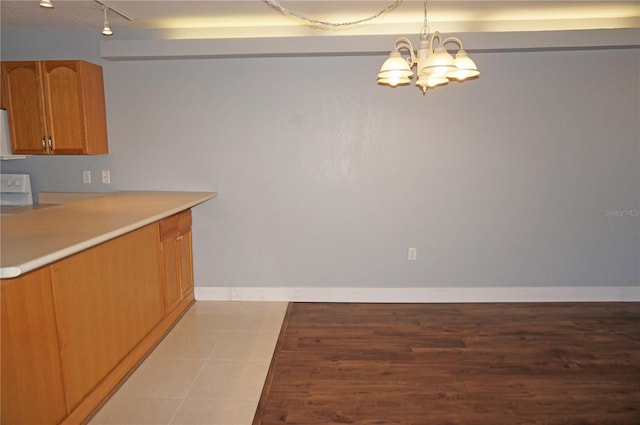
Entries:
{"x":204,"y":363}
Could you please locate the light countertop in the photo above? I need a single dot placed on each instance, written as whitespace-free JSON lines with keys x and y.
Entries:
{"x":38,"y":237}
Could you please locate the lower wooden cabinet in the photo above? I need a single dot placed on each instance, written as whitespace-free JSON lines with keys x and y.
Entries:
{"x":103,"y":312}
{"x":32,"y":388}
{"x":73,"y":330}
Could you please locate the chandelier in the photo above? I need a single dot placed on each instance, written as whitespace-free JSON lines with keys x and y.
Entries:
{"x":434,"y":65}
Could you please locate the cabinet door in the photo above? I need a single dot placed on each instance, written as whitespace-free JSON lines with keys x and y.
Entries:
{"x":175,"y":236}
{"x":74,"y":104}
{"x":22,"y":82}
{"x":63,"y":106}
{"x":32,"y":385}
{"x":185,"y":252}
{"x":107,"y":299}
{"x":170,"y":259}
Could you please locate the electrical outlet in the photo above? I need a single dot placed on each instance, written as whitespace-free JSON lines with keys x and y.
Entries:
{"x":106,"y":177}
{"x":86,"y":176}
{"x":412,"y":254}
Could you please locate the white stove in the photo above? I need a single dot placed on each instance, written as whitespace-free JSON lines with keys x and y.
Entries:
{"x":15,"y":191}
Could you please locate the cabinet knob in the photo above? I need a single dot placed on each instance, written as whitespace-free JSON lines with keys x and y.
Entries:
{"x":44,"y":145}
{"x":50,"y":144}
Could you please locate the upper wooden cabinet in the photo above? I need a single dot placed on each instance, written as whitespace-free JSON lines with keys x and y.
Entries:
{"x":55,"y":107}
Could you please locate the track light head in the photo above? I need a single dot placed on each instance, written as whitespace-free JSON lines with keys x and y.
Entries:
{"x":106,"y":29}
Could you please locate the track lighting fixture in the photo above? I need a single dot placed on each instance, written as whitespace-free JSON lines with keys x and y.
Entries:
{"x":106,"y":28}
{"x":106,"y":7}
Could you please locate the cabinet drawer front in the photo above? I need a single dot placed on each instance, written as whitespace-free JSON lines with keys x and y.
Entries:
{"x":169,"y":227}
{"x":184,"y":222}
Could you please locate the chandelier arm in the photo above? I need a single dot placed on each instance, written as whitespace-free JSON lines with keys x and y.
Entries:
{"x":403,"y":43}
{"x":434,"y":35}
{"x":453,"y":40}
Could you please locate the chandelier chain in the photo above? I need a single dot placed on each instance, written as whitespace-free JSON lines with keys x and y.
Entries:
{"x":281,"y":8}
{"x":424,"y":33}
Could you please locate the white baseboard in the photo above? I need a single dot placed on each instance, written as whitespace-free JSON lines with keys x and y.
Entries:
{"x":421,"y":295}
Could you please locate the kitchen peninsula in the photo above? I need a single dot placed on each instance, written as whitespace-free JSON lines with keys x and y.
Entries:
{"x":88,"y":288}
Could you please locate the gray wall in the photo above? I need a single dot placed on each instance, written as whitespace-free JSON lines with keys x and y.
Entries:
{"x":516,"y":179}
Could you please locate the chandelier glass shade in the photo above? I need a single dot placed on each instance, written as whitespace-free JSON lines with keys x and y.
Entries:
{"x":395,"y":70}
{"x":434,"y":64}
{"x":465,"y":67}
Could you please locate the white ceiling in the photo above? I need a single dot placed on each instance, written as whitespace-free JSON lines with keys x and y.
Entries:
{"x":255,"y":18}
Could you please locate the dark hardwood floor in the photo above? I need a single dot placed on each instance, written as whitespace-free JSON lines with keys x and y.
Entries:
{"x":437,"y":364}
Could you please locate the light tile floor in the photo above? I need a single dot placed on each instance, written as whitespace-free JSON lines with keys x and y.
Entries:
{"x":209,"y":369}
